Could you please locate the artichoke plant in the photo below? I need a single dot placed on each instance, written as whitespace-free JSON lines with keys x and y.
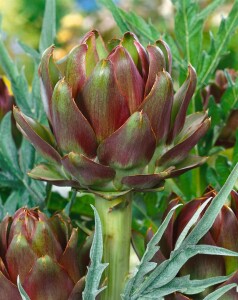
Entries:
{"x":223,"y":234}
{"x":217,"y":89}
{"x":115,"y":126}
{"x":115,"y":123}
{"x":43,"y":252}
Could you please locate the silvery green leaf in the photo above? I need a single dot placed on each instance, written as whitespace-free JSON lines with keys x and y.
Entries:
{"x":165,"y":273}
{"x":186,"y":286}
{"x":145,"y":265}
{"x":167,"y":270}
{"x":8,"y":150}
{"x":30,"y":51}
{"x":96,"y":267}
{"x":26,"y":157}
{"x":191,"y":222}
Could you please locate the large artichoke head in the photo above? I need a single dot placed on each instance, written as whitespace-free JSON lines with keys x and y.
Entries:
{"x":43,"y":252}
{"x":115,"y":122}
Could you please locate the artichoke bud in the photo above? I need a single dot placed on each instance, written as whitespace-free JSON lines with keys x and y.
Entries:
{"x":43,"y":252}
{"x":114,"y":117}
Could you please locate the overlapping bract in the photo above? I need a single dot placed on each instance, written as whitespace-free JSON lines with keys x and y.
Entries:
{"x":223,"y":233}
{"x":43,"y":252}
{"x":115,"y":122}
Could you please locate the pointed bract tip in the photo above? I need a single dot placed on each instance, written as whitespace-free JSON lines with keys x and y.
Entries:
{"x":129,"y":34}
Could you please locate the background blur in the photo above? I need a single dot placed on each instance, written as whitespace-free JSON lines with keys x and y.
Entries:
{"x":22,"y":19}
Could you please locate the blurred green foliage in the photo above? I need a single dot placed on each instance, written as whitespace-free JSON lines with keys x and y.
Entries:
{"x":22,"y":19}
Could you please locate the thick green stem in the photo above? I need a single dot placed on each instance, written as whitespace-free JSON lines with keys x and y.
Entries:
{"x":115,"y":216}
{"x":68,"y":207}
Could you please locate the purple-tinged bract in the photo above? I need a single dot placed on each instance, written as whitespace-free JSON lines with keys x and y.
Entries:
{"x":116,"y":123}
{"x":43,"y":252}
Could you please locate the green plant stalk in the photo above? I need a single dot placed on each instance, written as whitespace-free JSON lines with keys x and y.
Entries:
{"x":115,"y":217}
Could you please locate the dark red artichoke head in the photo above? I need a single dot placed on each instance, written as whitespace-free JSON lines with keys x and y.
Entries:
{"x":217,"y":89}
{"x":6,"y":100}
{"x":223,"y":233}
{"x":115,"y":122}
{"x":43,"y":252}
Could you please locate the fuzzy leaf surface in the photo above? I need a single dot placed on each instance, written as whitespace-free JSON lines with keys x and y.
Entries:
{"x":145,"y":265}
{"x":220,"y":292}
{"x":96,"y":267}
{"x":164,"y":274}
